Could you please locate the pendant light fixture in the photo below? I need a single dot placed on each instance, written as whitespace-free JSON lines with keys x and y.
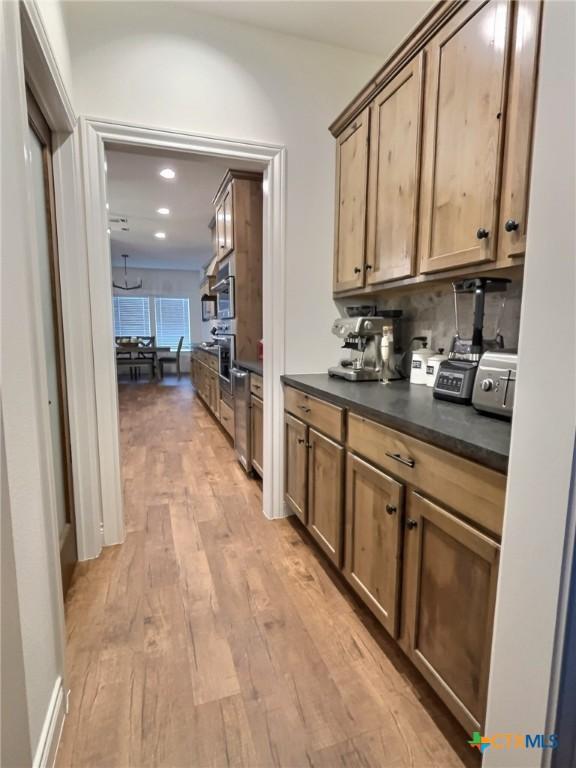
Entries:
{"x":127,"y":287}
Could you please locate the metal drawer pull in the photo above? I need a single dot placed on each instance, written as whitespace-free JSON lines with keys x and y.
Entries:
{"x":401,"y":459}
{"x":301,"y":440}
{"x":411,"y":524}
{"x":390,"y":508}
{"x":304,"y":408}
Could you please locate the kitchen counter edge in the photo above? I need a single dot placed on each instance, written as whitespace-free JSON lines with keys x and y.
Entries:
{"x":492,"y":458}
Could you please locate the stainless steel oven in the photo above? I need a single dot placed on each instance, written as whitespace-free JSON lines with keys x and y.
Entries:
{"x":224,"y":290}
{"x":225,"y":339}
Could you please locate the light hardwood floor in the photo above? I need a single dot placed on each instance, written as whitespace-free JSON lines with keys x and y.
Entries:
{"x":213,"y":637}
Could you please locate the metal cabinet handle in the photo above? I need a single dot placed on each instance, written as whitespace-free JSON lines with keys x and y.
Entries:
{"x":511,"y":225}
{"x":357,"y":270}
{"x":368,"y":267}
{"x":390,"y":508}
{"x":411,"y":524}
{"x":482,"y":233}
{"x":304,"y":408}
{"x":397,"y":457}
{"x":301,"y":440}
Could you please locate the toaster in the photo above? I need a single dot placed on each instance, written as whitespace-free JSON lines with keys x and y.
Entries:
{"x":495,"y":383}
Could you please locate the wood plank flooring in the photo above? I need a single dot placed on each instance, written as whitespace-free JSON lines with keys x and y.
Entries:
{"x":214,"y":637}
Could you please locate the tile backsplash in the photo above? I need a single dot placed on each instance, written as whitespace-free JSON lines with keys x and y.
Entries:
{"x":434,"y":311}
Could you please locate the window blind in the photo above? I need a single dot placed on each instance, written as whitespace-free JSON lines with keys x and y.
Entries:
{"x":131,"y":316}
{"x":172,"y":322}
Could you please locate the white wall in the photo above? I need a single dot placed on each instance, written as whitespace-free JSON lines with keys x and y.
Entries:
{"x":168,"y":67}
{"x":53,"y":22}
{"x":177,"y":283}
{"x":535,"y":523}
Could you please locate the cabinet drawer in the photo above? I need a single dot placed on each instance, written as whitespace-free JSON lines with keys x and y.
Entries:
{"x":211,"y":361}
{"x":471,"y":489}
{"x":256,"y":385}
{"x":227,"y":398}
{"x":227,"y":417}
{"x":325,"y":417}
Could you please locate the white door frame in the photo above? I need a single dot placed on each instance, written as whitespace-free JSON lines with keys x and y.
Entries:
{"x":95,"y":134}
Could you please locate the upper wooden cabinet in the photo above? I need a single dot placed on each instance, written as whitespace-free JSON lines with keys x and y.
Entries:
{"x":238,"y":211}
{"x":351,"y":182}
{"x":228,"y":222}
{"x":394,"y":174}
{"x":449,"y":145}
{"x":463,"y":142}
{"x":519,"y":124}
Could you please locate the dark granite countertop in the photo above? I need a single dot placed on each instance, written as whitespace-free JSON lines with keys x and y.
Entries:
{"x":199,"y":348}
{"x":254,"y":366}
{"x":410,"y":408}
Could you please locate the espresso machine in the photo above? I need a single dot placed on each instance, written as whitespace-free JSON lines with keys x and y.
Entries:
{"x":363,"y":336}
{"x":455,"y":379}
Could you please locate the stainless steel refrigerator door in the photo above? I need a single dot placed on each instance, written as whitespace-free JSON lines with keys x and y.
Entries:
{"x":241,"y":392}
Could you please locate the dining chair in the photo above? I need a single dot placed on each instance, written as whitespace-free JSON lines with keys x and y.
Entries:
{"x":171,"y":359}
{"x":143,"y":343}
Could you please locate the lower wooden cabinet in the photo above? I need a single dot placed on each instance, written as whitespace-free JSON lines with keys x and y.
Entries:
{"x":257,"y":433}
{"x":326,"y":493}
{"x":296,"y":466}
{"x":450,"y":607}
{"x":427,"y":574}
{"x":374,"y":514}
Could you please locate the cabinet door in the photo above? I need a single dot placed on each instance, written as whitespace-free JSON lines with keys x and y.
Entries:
{"x":351,"y":183}
{"x":325,"y":493}
{"x":519,"y":128}
{"x":464,"y":138}
{"x":228,"y":221}
{"x":373,"y":536}
{"x":453,"y":577}
{"x":221,"y":230}
{"x":295,"y":465}
{"x":393,"y":192}
{"x":257,"y":433}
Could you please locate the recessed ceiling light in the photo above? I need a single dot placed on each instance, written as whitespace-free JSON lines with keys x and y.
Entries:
{"x":107,"y":206}
{"x":163,"y":211}
{"x":160,"y":235}
{"x":168,"y":173}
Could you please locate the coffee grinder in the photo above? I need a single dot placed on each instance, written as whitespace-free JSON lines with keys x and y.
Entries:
{"x":455,"y":379}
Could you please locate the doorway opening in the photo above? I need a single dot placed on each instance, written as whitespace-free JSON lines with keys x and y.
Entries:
{"x":103,"y":143}
{"x":185,"y":234}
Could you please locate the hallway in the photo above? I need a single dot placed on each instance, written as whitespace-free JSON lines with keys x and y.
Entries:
{"x":213,"y":637}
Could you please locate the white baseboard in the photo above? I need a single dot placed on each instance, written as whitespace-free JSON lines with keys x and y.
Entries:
{"x":52,"y":728}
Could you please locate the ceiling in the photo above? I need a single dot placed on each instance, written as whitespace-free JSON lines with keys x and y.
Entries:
{"x":136,"y":190}
{"x":375,"y":27}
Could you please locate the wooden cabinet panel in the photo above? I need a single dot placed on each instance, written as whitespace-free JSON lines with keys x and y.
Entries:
{"x":326,"y":417}
{"x":395,"y":138}
{"x":519,"y":129}
{"x":228,"y":222}
{"x":325,"y":493}
{"x":351,"y":184}
{"x":451,"y":608}
{"x":463,"y":140}
{"x":227,"y":417}
{"x":256,"y":385}
{"x":373,"y":538}
{"x":220,"y":230}
{"x":295,"y":465}
{"x":257,"y":433}
{"x":475,"y":491}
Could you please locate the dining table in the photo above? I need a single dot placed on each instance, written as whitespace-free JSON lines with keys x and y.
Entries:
{"x":134,"y":351}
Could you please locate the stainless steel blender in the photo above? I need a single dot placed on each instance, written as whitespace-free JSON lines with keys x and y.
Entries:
{"x":455,"y":379}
